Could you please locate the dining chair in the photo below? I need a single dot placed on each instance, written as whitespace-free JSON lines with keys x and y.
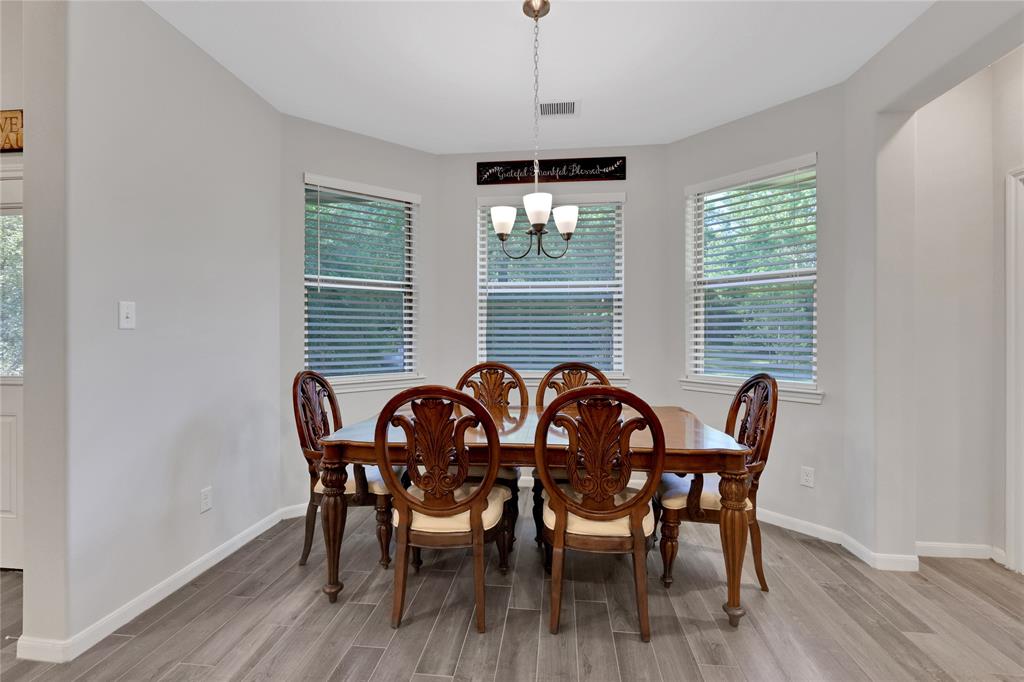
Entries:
{"x":441,"y":508}
{"x":594,"y":510}
{"x":751,"y":421}
{"x":316,"y":416}
{"x":560,"y":378}
{"x":492,"y":383}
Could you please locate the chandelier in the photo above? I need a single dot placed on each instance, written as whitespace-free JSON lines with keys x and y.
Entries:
{"x":537,"y":204}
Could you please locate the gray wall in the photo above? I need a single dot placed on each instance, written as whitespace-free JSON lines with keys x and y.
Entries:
{"x":173,"y":170}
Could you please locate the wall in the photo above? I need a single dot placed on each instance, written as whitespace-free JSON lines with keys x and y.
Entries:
{"x":1007,"y":156}
{"x":11,"y":90}
{"x":957,"y":315}
{"x":173,"y":176}
{"x":45,"y":326}
{"x":315,"y":148}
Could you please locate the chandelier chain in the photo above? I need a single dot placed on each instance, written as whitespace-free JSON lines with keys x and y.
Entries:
{"x":536,"y":102}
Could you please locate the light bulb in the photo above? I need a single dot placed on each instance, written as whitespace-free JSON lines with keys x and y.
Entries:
{"x":503,"y":218}
{"x":565,"y":219}
{"x":538,"y":207}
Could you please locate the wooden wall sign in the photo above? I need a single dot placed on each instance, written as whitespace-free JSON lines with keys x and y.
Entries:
{"x":12,"y":130}
{"x":551,"y":170}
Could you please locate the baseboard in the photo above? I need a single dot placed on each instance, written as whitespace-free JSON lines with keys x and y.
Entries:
{"x":61,"y":651}
{"x":959,"y":550}
{"x":883,"y":562}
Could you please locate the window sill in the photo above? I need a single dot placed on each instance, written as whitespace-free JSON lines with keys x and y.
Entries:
{"x":788,"y":391}
{"x":12,"y":381}
{"x":383,"y":382}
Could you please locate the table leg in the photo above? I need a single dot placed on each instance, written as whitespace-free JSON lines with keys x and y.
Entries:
{"x":733,"y":528}
{"x":333,"y":509}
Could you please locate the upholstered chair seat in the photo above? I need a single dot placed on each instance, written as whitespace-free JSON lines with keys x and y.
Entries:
{"x":374,"y":482}
{"x":577,"y":525}
{"x":673,"y":491}
{"x":460,"y":522}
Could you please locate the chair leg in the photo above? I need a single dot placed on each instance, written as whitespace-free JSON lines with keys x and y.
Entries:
{"x":755,"y":546}
{"x":538,"y":511}
{"x":383,"y":507}
{"x":547,"y":557}
{"x":640,"y":576}
{"x":417,"y":560}
{"x":514,"y":518}
{"x":557,"y":566}
{"x":311,"y":512}
{"x":401,"y":575}
{"x":669,"y":543}
{"x":504,"y":543}
{"x":478,"y":581}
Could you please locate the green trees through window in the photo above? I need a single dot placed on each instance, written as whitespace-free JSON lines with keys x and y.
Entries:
{"x":753,"y":279}
{"x":11,"y":307}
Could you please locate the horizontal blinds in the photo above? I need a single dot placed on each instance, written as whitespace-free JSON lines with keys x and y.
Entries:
{"x":360,"y":300}
{"x":752,"y":270}
{"x":536,"y":312}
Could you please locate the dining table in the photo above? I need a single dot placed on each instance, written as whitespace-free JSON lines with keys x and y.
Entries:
{"x":691,"y":447}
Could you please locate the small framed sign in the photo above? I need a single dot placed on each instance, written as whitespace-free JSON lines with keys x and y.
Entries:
{"x":12,"y":130}
{"x":551,"y":170}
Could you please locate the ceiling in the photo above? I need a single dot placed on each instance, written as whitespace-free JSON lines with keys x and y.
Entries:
{"x":452,"y":77}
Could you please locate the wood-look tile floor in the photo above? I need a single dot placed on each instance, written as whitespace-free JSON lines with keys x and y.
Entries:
{"x":259,"y":616}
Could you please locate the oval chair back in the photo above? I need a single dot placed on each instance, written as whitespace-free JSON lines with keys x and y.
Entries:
{"x":751,"y":419}
{"x":316,"y":412}
{"x":435,"y":451}
{"x":567,"y":376}
{"x":492,"y":382}
{"x":598,"y":458}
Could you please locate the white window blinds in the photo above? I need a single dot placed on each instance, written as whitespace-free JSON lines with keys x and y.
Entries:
{"x":537,"y":312}
{"x":360,"y":291}
{"x":752,"y":274}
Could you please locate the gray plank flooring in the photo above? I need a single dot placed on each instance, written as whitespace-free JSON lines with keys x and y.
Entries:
{"x":259,"y":616}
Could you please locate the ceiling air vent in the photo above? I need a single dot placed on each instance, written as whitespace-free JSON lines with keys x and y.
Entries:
{"x":558,"y":108}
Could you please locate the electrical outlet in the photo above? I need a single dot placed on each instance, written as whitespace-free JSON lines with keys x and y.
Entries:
{"x":126,"y":314}
{"x":807,"y":477}
{"x":205,"y":500}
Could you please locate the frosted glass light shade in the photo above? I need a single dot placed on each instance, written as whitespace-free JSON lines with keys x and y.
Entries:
{"x":566,"y":217}
{"x":538,"y":207}
{"x":503,"y":218}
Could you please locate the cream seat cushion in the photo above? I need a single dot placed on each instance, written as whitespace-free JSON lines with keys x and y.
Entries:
{"x":374,"y":482}
{"x":459,"y":523}
{"x":673,"y":491}
{"x":577,"y":525}
{"x":504,"y":473}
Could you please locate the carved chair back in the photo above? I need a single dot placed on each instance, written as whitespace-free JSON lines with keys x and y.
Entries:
{"x":434,"y":421}
{"x":492,"y":384}
{"x":570,"y":375}
{"x":316,"y":412}
{"x":751,"y":419}
{"x":598,"y":456}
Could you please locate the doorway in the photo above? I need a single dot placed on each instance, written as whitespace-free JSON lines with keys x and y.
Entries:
{"x":1015,"y":370}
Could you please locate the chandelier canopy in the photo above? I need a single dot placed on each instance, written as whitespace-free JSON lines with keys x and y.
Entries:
{"x":537,"y":204}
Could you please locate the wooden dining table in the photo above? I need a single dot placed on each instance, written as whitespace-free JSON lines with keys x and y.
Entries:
{"x":691,"y":447}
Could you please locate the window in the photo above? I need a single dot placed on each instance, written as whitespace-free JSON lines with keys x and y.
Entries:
{"x":752,"y":276}
{"x":10,"y":292}
{"x":360,"y":290}
{"x":537,"y":312}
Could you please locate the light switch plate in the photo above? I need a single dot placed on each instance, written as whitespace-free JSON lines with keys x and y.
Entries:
{"x":807,"y":477}
{"x":206,"y":499}
{"x":126,"y":314}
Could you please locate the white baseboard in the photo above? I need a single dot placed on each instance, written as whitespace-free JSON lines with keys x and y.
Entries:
{"x":883,"y":562}
{"x":63,"y":650}
{"x":960,"y":550}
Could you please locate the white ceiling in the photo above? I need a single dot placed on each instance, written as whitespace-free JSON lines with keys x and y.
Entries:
{"x":450,"y":77}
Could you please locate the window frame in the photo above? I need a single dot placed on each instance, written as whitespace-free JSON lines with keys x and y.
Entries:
{"x":793,"y":391}
{"x":391,"y":380}
{"x":617,"y":377}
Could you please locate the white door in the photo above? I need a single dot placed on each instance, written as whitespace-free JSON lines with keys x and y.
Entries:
{"x":11,"y":452}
